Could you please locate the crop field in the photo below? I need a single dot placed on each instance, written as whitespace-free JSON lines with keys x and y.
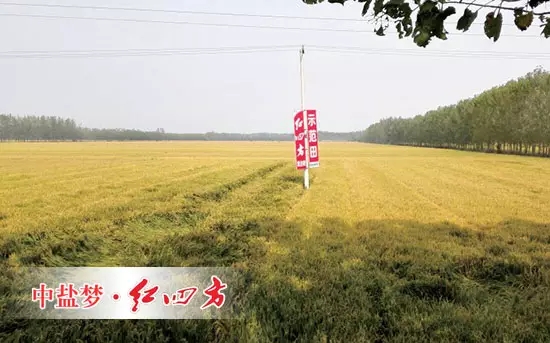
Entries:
{"x":390,"y":244}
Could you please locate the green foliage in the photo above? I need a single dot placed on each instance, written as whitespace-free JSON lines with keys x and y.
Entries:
{"x":432,"y":14}
{"x":536,"y":3}
{"x":513,"y":118}
{"x":493,"y":25}
{"x":378,"y":6}
{"x":466,"y":20}
{"x":546,"y":29}
{"x":366,"y":7}
{"x":523,"y":20}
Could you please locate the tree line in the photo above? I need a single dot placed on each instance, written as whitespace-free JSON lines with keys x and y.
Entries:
{"x":52,"y":128}
{"x":513,"y":118}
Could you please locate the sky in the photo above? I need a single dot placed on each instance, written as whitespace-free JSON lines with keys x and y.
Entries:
{"x":250,"y":91}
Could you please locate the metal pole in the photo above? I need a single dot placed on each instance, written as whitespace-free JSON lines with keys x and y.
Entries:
{"x":306,"y":171}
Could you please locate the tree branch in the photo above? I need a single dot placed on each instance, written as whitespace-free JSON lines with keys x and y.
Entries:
{"x":492,"y":6}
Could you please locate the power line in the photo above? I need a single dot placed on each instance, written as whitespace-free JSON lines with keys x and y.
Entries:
{"x":179,"y":22}
{"x":218,"y":24}
{"x":151,"y":50}
{"x":138,"y":52}
{"x":264,"y":47}
{"x":172,"y":11}
{"x":425,"y":52}
{"x":495,"y":56}
{"x":284,"y":48}
{"x":133,"y":9}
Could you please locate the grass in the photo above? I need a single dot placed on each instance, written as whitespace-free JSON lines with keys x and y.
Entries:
{"x":390,"y":244}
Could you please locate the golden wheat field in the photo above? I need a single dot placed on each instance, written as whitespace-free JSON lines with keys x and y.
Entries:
{"x":389,"y":243}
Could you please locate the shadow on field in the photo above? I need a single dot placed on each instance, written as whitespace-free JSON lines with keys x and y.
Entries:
{"x":374,"y":281}
{"x":406,"y":281}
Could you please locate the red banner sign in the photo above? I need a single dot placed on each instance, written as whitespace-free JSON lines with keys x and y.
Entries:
{"x":313,"y":138}
{"x":300,"y":140}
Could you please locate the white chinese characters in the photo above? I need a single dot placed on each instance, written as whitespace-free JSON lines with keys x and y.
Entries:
{"x":300,"y":150}
{"x":312,"y":136}
{"x":298,"y":124}
{"x":311,"y":122}
{"x":313,"y":151}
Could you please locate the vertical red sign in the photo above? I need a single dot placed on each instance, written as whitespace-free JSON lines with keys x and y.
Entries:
{"x":300,"y":140}
{"x":313,"y":138}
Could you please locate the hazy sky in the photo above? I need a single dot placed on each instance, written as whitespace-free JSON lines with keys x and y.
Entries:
{"x":245,"y":92}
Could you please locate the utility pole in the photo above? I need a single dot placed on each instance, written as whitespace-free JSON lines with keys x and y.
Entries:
{"x":306,"y":171}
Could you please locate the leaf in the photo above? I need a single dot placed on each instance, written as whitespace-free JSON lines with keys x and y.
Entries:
{"x":380,"y":31}
{"x":498,"y":26}
{"x":438,"y":29}
{"x":407,"y":10}
{"x":399,"y":28}
{"x":493,"y":26}
{"x":337,"y":2}
{"x":422,"y":39}
{"x":407,"y":23}
{"x":427,"y":6}
{"x":466,"y":20}
{"x":438,"y":24}
{"x":392,"y":11}
{"x":523,"y":21}
{"x":449,"y":11}
{"x":378,"y":6}
{"x":313,"y":2}
{"x":535,"y":3}
{"x":366,"y":7}
{"x":546,"y":30}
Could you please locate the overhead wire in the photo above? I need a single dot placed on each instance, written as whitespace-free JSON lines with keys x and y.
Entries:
{"x":273,"y":48}
{"x":432,"y":54}
{"x":199,"y":51}
{"x":133,"y":20}
{"x":139,"y":52}
{"x":173,"y":11}
{"x":153,"y":10}
{"x":294,"y":28}
{"x":155,"y":49}
{"x":427,"y":51}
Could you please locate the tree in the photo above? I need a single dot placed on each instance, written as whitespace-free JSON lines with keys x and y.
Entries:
{"x":513,"y":118}
{"x":432,"y":14}
{"x":33,"y":128}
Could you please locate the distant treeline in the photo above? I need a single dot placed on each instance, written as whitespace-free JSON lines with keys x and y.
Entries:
{"x":513,"y":118}
{"x":42,"y":128}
